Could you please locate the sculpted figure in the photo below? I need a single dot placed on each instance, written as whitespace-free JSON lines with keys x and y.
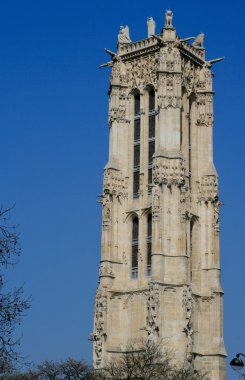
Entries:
{"x":123,"y":36}
{"x":199,"y":40}
{"x":168,"y":18}
{"x":151,"y":26}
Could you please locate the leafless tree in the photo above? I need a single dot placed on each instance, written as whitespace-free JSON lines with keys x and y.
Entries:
{"x":148,"y":361}
{"x":12,"y":303}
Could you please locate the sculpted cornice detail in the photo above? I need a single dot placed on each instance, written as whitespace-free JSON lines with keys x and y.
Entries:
{"x":208,"y":189}
{"x":117,"y":114}
{"x":114,"y":184}
{"x":168,"y":172}
{"x":106,"y":269}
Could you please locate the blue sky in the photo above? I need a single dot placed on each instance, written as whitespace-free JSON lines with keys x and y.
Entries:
{"x":54,"y":144}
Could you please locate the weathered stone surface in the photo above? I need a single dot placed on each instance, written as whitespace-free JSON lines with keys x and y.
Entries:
{"x":174,"y":296}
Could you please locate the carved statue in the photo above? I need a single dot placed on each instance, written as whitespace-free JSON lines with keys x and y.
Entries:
{"x":151,"y":26}
{"x":199,"y":40}
{"x":168,"y":19}
{"x":123,"y":36}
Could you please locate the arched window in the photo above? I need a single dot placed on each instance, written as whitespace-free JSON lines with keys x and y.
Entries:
{"x":151,"y":134}
{"x":136,"y":165}
{"x":149,"y":244}
{"x":135,"y":247}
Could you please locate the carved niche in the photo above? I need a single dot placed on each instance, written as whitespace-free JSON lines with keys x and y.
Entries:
{"x":99,"y":335}
{"x":168,"y":171}
{"x":188,"y":328}
{"x":153,"y":304}
{"x":155,"y":204}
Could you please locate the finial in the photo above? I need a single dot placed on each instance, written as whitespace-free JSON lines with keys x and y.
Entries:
{"x":168,"y":19}
{"x":151,"y":26}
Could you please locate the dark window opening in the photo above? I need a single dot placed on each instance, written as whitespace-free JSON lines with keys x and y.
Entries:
{"x":149,"y":244}
{"x":135,"y":247}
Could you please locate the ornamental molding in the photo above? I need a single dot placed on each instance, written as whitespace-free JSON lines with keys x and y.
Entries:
{"x":168,"y":172}
{"x":142,"y":72}
{"x":208,"y":189}
{"x":114,"y":183}
{"x":106,"y":269}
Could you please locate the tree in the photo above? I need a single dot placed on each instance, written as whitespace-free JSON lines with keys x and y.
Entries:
{"x":12,"y":303}
{"x":147,"y":362}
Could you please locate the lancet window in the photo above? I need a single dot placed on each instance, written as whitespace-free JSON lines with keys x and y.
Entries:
{"x":151,"y":134}
{"x":136,"y":164}
{"x":149,"y":244}
{"x":135,"y":247}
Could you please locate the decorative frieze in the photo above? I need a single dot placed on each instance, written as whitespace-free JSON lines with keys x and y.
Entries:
{"x":168,"y":171}
{"x":114,"y":183}
{"x":117,"y":114}
{"x":142,"y":72}
{"x":208,"y":190}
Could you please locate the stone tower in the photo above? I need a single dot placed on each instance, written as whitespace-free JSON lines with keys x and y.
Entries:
{"x":159,"y":275}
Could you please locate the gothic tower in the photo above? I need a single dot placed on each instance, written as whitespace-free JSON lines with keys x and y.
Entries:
{"x":159,"y":275}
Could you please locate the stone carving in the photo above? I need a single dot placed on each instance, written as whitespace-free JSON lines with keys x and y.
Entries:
{"x":153,"y":303}
{"x":168,"y":172}
{"x":106,"y":269}
{"x":199,"y":40}
{"x":106,"y":211}
{"x":99,"y":335}
{"x":204,"y":109}
{"x":216,"y":216}
{"x":123,"y":36}
{"x":114,"y":183}
{"x":187,"y":304}
{"x":170,"y":58}
{"x":188,"y":78}
{"x":169,"y":96}
{"x":168,"y":19}
{"x":208,"y":191}
{"x":142,"y":72}
{"x":117,"y":114}
{"x":118,"y":73}
{"x":151,"y":26}
{"x":156,"y":204}
{"x":203,"y":78}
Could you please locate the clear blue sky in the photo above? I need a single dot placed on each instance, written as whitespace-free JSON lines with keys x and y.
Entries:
{"x":54,"y":143}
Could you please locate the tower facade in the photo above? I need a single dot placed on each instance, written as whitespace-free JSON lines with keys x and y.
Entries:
{"x":159,"y":275}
